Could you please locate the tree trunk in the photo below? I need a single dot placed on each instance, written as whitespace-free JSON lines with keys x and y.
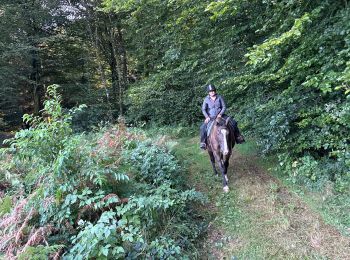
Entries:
{"x":113,"y":61}
{"x":121,"y":67}
{"x":114,"y":75}
{"x":34,"y":77}
{"x":95,"y":41}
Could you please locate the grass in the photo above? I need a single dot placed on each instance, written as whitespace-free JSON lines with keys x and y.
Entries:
{"x":237,"y":237}
{"x":333,"y":207}
{"x":250,"y":149}
{"x":261,"y":217}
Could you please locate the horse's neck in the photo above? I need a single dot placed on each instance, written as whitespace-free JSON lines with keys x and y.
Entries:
{"x":213,"y":131}
{"x":213,"y":138}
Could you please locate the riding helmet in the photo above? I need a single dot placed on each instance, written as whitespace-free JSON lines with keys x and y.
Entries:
{"x":211,"y":87}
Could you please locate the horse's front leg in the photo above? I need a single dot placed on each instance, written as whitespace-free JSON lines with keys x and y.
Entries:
{"x":223,"y":168}
{"x":226,"y":164}
{"x":212,"y":160}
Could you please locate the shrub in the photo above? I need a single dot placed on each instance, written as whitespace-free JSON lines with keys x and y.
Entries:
{"x":67,"y":198}
{"x":153,"y":164}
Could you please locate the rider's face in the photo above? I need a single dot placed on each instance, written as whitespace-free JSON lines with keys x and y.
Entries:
{"x":212,"y":93}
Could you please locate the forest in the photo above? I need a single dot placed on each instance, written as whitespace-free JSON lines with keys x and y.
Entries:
{"x":89,"y":87}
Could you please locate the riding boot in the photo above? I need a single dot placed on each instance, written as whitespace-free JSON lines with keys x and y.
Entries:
{"x":203,"y":134}
{"x":238,"y":137}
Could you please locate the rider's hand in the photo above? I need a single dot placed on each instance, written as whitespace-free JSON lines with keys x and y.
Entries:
{"x":219,"y":116}
{"x":207,"y":120}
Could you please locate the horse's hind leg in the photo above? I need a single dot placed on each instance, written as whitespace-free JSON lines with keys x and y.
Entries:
{"x":212,"y":160}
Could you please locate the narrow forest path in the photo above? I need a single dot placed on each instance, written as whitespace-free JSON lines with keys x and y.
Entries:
{"x":259,"y":218}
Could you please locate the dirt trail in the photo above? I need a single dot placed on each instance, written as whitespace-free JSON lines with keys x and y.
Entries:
{"x":274,"y":223}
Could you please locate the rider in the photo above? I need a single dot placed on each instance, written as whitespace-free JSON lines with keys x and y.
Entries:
{"x":214,"y":106}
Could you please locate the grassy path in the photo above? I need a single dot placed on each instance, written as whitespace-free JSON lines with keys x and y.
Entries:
{"x":259,"y":218}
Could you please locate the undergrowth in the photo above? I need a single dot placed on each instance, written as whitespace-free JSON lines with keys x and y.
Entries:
{"x":107,"y":195}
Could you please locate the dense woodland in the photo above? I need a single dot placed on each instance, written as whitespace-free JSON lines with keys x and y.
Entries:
{"x":283,"y":67}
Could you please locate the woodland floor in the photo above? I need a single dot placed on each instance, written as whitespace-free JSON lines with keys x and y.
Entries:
{"x":259,"y":218}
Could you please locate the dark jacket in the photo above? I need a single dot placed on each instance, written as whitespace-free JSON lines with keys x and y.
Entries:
{"x":211,"y":108}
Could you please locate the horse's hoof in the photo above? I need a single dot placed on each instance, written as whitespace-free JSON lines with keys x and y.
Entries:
{"x":226,"y":189}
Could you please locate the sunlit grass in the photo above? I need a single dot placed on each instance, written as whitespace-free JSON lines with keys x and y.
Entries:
{"x":333,"y":207}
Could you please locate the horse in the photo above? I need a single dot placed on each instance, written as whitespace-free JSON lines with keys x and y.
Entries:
{"x":220,"y":143}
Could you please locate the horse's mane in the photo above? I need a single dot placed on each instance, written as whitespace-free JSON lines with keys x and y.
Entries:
{"x":221,"y":122}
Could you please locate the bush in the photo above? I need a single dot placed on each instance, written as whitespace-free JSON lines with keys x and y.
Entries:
{"x":153,"y":164}
{"x":67,"y":198}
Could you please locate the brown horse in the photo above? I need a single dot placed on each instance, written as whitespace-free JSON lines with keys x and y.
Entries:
{"x":220,"y":142}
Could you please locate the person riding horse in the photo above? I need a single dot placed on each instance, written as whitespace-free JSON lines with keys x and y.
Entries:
{"x":214,"y":107}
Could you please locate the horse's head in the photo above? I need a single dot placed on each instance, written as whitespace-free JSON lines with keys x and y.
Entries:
{"x":222,"y":133}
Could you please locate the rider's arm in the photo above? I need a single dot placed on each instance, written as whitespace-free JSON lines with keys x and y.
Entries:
{"x":204,"y":108}
{"x":223,"y":109}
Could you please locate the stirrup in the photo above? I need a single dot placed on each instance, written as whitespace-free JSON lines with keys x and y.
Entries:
{"x":203,"y":146}
{"x":240,"y":139}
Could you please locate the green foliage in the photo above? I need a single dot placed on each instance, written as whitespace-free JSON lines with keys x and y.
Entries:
{"x":265,"y":52}
{"x":5,"y":205}
{"x":153,"y":164}
{"x":52,"y":165}
{"x":3,"y":124}
{"x":284,"y":73}
{"x":154,"y":131}
{"x":90,"y":118}
{"x":102,"y":240}
{"x":68,"y":192}
{"x":48,"y":134}
{"x":165,"y":248}
{"x":290,"y":96}
{"x":39,"y":252}
{"x":42,"y":44}
{"x":134,"y":227}
{"x":161,"y":104}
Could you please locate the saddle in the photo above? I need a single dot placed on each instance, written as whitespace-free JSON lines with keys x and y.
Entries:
{"x":209,"y":127}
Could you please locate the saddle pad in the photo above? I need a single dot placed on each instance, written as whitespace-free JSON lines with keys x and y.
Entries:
{"x":209,"y":127}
